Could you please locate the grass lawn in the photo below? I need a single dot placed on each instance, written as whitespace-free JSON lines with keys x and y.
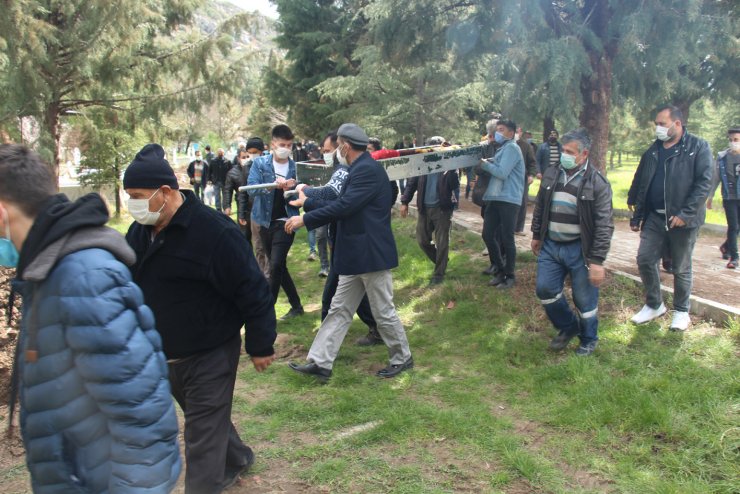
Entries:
{"x":487,"y":408}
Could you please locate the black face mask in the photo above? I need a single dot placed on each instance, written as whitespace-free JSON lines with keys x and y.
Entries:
{"x":553,"y":140}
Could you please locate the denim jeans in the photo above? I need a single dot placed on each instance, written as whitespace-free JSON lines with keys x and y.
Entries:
{"x":322,"y":242}
{"x":198,"y":190}
{"x":312,"y":241}
{"x":556,"y":261}
{"x":652,"y":238}
{"x":732,"y":212}
{"x":218,"y":190}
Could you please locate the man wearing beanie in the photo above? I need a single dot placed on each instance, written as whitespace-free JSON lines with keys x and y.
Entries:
{"x":201,"y":281}
{"x":364,"y":254}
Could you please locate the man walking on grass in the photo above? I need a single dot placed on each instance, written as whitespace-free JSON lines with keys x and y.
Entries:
{"x":571,"y":234}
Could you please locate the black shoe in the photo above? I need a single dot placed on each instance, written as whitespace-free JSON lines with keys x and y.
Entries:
{"x":233,"y":472}
{"x":394,"y":370}
{"x":497,"y":280}
{"x":668,"y":267}
{"x":311,"y":369}
{"x":371,"y":338}
{"x":506,"y":284}
{"x":725,"y":251}
{"x":292,"y":313}
{"x":436,"y":280}
{"x":490,"y":271}
{"x":560,"y":341}
{"x":587,"y":349}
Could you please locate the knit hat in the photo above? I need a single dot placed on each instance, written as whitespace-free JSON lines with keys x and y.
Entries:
{"x":353,"y":133}
{"x":255,"y":143}
{"x":149,"y":170}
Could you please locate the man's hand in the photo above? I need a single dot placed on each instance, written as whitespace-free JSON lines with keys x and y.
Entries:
{"x":242,"y":222}
{"x":404,"y":210}
{"x":301,"y":198}
{"x":300,"y":187}
{"x":631,"y":208}
{"x":536,"y":247}
{"x":293,"y":224}
{"x":262,"y":363}
{"x":709,"y":203}
{"x":289,"y":184}
{"x":227,"y":211}
{"x":596,"y":274}
{"x":530,"y":179}
{"x":635,"y":228}
{"x":676,"y":222}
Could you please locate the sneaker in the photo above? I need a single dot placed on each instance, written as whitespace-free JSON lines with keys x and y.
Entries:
{"x":587,"y":349}
{"x":647,"y":314}
{"x":560,"y":342}
{"x":324,"y":273}
{"x":507,"y":284}
{"x":681,"y":321}
{"x":732,"y":264}
{"x":520,"y":234}
{"x":312,"y":256}
{"x":292,"y":313}
{"x":371,"y":338}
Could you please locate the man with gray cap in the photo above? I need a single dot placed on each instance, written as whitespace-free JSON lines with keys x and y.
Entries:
{"x":200,"y":279}
{"x":364,"y":254}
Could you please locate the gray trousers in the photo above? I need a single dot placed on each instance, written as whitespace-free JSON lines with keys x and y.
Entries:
{"x":435,"y":224}
{"x":351,"y":289}
{"x":681,"y":242}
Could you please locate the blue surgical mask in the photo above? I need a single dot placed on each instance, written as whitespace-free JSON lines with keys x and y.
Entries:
{"x":567,"y":161}
{"x":8,"y":252}
{"x":499,"y":138}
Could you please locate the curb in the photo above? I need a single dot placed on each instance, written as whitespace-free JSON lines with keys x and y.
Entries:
{"x":701,"y":307}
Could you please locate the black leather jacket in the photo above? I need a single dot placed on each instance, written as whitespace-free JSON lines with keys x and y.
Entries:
{"x":594,"y":211}
{"x":688,"y":179}
{"x":235,"y":178}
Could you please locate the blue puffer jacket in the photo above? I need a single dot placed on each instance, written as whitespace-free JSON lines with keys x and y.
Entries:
{"x":96,"y":411}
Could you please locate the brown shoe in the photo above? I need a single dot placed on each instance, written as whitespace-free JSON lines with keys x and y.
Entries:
{"x":371,"y":338}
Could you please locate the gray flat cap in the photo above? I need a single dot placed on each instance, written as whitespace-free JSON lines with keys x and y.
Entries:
{"x":353,"y":133}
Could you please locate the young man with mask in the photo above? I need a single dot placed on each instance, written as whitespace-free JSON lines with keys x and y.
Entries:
{"x":727,"y":173}
{"x":198,"y":173}
{"x":200,"y":278}
{"x":364,"y":254}
{"x":674,"y":182}
{"x":255,"y":147}
{"x":571,"y":234}
{"x":503,"y":198}
{"x":271,"y":210}
{"x":95,"y":410}
{"x":549,"y":152}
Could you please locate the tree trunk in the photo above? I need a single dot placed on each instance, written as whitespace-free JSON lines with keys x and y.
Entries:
{"x":596,"y":91}
{"x":611,"y":159}
{"x":685,"y":106}
{"x":619,"y":159}
{"x":548,"y":125}
{"x":419,"y":116}
{"x":54,"y":128}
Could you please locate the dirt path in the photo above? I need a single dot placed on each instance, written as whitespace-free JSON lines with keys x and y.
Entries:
{"x":712,"y":280}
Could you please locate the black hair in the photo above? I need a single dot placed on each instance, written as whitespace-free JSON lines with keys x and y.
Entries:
{"x":282,"y":131}
{"x":674,"y":111}
{"x":734,"y":130}
{"x":331,"y":135}
{"x":509,"y":124}
{"x":26,"y":181}
{"x":377,"y":143}
{"x":208,"y":148}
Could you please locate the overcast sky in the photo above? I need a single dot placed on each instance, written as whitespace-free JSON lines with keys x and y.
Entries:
{"x":263,"y":6}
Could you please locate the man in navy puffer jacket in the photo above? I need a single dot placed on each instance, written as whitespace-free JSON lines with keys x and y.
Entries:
{"x":96,"y":412}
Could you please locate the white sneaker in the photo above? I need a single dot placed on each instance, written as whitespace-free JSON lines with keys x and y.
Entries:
{"x":647,"y":314}
{"x":681,"y":321}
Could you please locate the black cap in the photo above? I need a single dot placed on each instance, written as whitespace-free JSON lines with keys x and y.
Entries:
{"x":255,"y":143}
{"x":734,"y":129}
{"x":149,"y":170}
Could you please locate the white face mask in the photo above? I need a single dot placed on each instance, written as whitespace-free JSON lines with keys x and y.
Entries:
{"x":282,"y":153}
{"x":735,"y":146}
{"x":342,"y":158}
{"x":139,"y":210}
{"x":329,"y":158}
{"x":254,"y":156}
{"x":662,"y":132}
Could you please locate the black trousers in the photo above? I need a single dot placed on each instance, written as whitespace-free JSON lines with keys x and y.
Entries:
{"x":522,"y":215}
{"x":498,"y":226}
{"x":330,"y":288}
{"x":277,"y":244}
{"x":203,"y":386}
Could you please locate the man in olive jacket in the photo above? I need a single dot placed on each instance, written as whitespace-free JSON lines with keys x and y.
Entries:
{"x":675,"y":178}
{"x":571,"y":234}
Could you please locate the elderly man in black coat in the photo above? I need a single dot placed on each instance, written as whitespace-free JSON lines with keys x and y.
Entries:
{"x":364,"y":254}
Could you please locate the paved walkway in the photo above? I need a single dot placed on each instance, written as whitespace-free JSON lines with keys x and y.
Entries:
{"x":712,"y":280}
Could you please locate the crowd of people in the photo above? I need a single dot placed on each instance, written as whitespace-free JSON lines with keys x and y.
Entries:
{"x":113,"y":326}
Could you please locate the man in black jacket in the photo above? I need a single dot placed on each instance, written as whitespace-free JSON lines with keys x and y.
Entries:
{"x":364,"y":254}
{"x":571,"y":234}
{"x":435,"y":202}
{"x":198,"y":173}
{"x":674,"y":181}
{"x":201,"y":281}
{"x":235,"y":178}
{"x":219,"y":167}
